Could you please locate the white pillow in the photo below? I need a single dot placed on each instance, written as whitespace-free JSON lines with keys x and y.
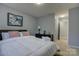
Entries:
{"x":5,"y":35}
{"x":21,"y":34}
{"x":46,"y":38}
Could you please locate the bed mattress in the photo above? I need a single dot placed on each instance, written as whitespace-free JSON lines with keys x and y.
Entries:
{"x":27,"y":46}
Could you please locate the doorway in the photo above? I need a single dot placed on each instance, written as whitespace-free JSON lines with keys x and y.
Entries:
{"x":63,"y":28}
{"x":62,"y":37}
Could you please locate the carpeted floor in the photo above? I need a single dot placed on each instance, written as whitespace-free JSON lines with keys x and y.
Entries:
{"x":64,"y":49}
{"x":58,"y":53}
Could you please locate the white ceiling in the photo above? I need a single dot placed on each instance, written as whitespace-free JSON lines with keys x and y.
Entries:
{"x":43,"y":9}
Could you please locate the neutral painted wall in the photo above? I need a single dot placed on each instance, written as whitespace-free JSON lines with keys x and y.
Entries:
{"x":74,"y":28}
{"x":29,"y":22}
{"x":47,"y":23}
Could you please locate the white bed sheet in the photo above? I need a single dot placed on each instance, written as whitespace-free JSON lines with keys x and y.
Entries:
{"x":27,"y":46}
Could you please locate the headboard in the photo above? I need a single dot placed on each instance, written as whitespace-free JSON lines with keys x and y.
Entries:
{"x":8,"y":31}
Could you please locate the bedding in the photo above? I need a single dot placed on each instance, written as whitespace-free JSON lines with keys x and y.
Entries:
{"x":21,"y":34}
{"x":27,"y":46}
{"x":26,"y":33}
{"x":13,"y":34}
{"x":5,"y":35}
{"x":46,"y":38}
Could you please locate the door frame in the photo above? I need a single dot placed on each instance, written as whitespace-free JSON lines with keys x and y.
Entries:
{"x":58,"y":30}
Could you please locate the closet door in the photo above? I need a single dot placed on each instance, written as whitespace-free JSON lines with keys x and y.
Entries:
{"x":73,"y":39}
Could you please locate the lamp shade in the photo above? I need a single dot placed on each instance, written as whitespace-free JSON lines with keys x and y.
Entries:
{"x":38,"y":27}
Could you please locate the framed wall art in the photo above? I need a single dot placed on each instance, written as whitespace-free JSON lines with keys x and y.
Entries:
{"x":14,"y":20}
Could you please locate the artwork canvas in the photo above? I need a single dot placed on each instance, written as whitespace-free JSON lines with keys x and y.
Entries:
{"x":14,"y":20}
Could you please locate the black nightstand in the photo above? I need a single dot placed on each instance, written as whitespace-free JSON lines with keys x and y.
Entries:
{"x":45,"y":35}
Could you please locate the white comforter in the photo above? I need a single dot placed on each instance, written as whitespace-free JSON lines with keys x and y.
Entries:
{"x":27,"y":46}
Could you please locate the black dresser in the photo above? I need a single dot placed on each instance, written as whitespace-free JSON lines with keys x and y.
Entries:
{"x":45,"y":35}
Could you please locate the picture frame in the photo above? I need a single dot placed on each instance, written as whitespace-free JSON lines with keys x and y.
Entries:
{"x":14,"y":20}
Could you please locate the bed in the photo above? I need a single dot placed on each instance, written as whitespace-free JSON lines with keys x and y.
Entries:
{"x":27,"y":46}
